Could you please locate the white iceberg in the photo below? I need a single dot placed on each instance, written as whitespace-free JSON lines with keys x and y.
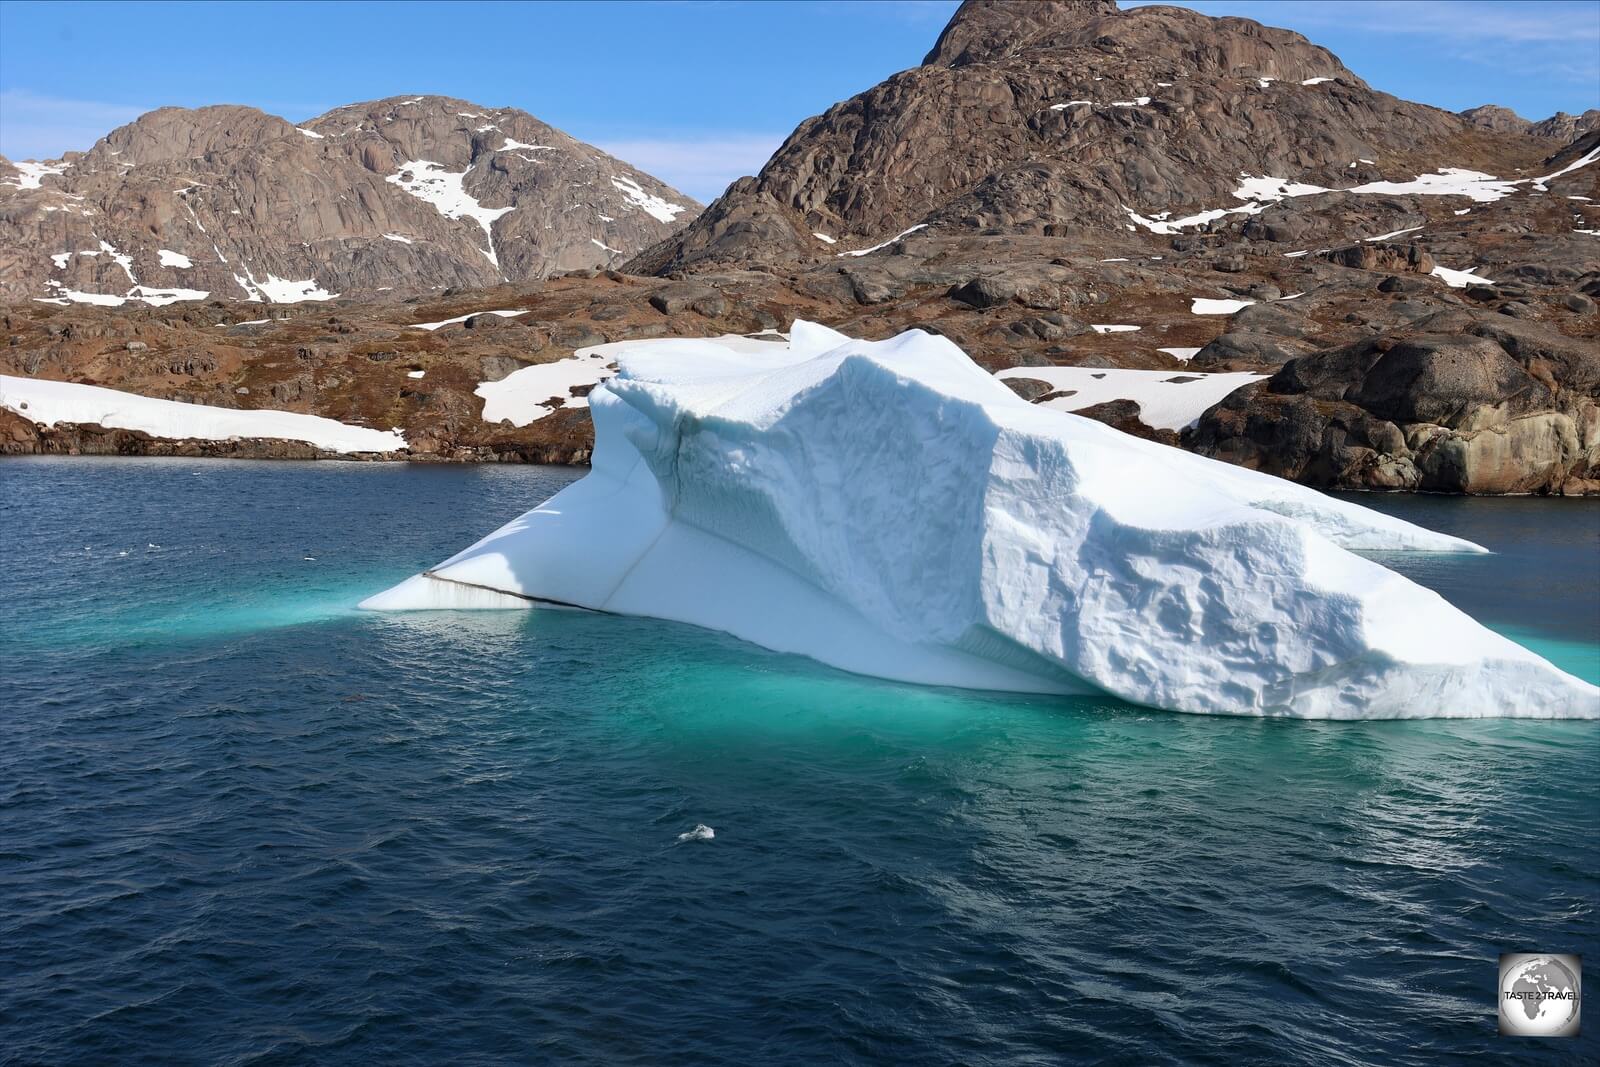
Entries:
{"x":889,"y":508}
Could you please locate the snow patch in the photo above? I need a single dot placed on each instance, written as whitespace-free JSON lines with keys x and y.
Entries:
{"x":1183,"y":355}
{"x":1315,"y":81}
{"x":1167,"y":401}
{"x":1577,"y":164}
{"x":429,"y":181}
{"x":173,"y":259}
{"x":651,"y":205}
{"x":292,"y":291}
{"x":1113,"y":329}
{"x":1259,"y":191}
{"x":163,"y":297}
{"x":885,"y":244}
{"x":47,"y":403}
{"x":463,"y":318}
{"x":1205,"y":305}
{"x":397,"y":237}
{"x":1459,"y":279}
{"x":122,"y":260}
{"x":313,"y":134}
{"x":1394,"y":233}
{"x":31,"y":175}
{"x":276,"y":290}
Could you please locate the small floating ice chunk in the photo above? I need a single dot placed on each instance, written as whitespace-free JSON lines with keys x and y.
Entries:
{"x":701,"y":832}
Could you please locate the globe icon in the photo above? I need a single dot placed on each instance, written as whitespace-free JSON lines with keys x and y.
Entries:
{"x":1538,"y":997}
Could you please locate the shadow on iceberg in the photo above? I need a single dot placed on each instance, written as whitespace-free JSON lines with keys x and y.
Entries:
{"x":889,"y":508}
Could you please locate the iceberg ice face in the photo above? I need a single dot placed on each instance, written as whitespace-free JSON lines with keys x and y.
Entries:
{"x":890,"y":508}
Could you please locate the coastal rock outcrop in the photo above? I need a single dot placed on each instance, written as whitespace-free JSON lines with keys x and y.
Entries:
{"x":1456,"y":402}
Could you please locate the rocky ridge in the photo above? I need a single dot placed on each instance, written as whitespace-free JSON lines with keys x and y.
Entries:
{"x":394,"y":196}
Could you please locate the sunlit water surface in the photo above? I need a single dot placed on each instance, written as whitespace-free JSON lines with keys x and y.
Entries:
{"x":241,"y":822}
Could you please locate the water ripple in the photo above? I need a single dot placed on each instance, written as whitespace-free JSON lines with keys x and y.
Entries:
{"x":306,"y":834}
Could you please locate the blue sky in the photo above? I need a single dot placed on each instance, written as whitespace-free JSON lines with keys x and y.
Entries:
{"x":695,"y":92}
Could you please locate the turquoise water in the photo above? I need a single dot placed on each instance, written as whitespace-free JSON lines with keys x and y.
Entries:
{"x":241,"y":822}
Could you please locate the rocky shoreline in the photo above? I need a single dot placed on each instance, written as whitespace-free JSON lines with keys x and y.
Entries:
{"x":1413,"y":293}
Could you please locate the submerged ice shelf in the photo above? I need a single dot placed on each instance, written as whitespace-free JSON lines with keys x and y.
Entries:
{"x":889,"y":508}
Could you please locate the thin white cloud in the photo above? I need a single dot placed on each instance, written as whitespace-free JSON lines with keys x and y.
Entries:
{"x":700,"y":165}
{"x":34,"y":126}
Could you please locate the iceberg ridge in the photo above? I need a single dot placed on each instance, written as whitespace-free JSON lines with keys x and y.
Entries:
{"x":892,"y":509}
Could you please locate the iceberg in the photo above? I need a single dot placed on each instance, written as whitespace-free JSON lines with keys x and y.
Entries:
{"x":890,"y":508}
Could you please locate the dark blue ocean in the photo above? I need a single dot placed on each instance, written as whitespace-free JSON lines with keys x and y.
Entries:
{"x":242,"y":823}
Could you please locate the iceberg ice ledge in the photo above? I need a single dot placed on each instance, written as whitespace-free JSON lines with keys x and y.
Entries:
{"x":889,"y":508}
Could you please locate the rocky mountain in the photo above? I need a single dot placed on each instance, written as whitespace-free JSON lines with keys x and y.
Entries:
{"x":1560,"y":126}
{"x":1049,"y":117}
{"x":1118,"y":211}
{"x":400,"y":195}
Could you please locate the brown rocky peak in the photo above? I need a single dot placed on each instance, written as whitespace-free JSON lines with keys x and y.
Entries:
{"x":1567,"y":127}
{"x":1495,"y":117}
{"x":983,"y":30}
{"x":993,"y":31}
{"x":187,"y":133}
